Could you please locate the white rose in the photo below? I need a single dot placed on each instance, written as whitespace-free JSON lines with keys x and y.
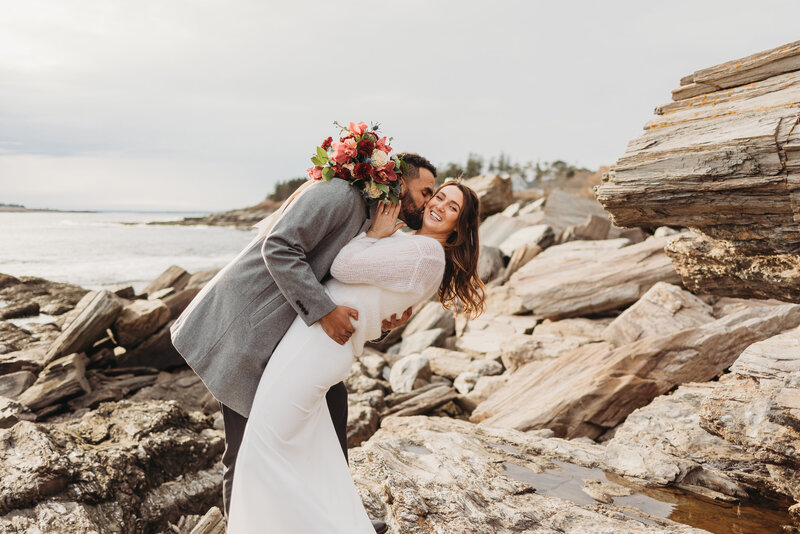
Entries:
{"x":373,"y":190}
{"x":379,"y":158}
{"x":349,"y":167}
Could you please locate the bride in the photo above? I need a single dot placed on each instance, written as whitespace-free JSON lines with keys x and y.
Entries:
{"x":291,"y":476}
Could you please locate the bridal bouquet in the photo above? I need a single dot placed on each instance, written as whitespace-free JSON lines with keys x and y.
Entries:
{"x":361,"y":158}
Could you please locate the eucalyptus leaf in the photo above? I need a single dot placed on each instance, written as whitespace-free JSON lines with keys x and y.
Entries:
{"x":327,"y":173}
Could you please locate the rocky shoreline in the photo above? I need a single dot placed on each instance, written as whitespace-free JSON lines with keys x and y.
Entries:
{"x":606,"y":388}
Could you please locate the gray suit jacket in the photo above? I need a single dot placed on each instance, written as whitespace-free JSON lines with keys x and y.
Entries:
{"x":228,"y":332}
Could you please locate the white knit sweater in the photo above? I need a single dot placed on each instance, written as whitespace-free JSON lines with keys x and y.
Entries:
{"x":382,"y":277}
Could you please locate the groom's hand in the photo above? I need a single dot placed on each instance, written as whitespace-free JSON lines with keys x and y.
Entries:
{"x":337,"y":324}
{"x":393,"y":322}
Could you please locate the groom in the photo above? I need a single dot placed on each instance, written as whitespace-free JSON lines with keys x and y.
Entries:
{"x":228,"y":332}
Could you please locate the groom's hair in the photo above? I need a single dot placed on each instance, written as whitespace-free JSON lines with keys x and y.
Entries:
{"x":415,"y":162}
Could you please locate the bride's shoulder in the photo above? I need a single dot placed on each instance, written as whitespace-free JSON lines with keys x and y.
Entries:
{"x":427,"y":246}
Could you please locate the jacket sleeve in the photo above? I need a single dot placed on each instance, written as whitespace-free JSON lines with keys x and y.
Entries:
{"x":320,"y":211}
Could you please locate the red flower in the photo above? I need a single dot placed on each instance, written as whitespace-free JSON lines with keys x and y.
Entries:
{"x":365,"y":147}
{"x":386,"y":174}
{"x":327,"y":143}
{"x":381,"y":145}
{"x":362,"y":170}
{"x":341,"y":172}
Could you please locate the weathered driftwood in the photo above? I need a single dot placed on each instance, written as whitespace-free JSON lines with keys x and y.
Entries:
{"x":725,"y":163}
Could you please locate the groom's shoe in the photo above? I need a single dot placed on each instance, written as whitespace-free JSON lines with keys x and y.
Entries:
{"x":380,"y":526}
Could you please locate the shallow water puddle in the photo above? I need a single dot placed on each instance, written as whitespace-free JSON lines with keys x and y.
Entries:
{"x":566,"y":482}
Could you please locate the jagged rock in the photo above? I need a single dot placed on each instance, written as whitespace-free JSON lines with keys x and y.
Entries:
{"x":358,"y":382}
{"x":419,"y":341}
{"x":95,"y":312}
{"x":12,"y":384}
{"x":178,"y":301}
{"x":13,"y":338}
{"x":663,"y":309}
{"x":126,"y":467}
{"x":211,"y":523}
{"x":563,"y":210}
{"x":458,"y":477}
{"x":53,"y":298}
{"x":161,"y":293}
{"x":726,"y":164}
{"x":30,"y":309}
{"x":757,"y":407}
{"x":520,"y":257}
{"x":485,"y":367}
{"x":11,"y":412}
{"x":447,"y":363}
{"x":490,"y":263}
{"x":494,"y":192}
{"x":362,"y":422}
{"x":498,"y":228}
{"x":123,"y":291}
{"x":156,"y":351}
{"x":551,"y":339}
{"x":539,"y":235}
{"x":595,"y":227}
{"x":465,"y":382}
{"x":432,"y":315}
{"x":663,"y":443}
{"x":484,"y":387}
{"x":423,"y":400}
{"x":494,"y":333}
{"x":31,"y":359}
{"x":407,"y":371}
{"x":174,"y":277}
{"x":372,"y":363}
{"x":138,"y":320}
{"x":582,"y":277}
{"x":512,"y":210}
{"x":61,"y":379}
{"x":593,"y":389}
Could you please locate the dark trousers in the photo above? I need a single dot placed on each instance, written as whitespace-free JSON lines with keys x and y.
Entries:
{"x":234,"y":432}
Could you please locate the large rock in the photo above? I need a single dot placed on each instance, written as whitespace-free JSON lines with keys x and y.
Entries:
{"x":583,"y":277}
{"x":419,"y":341}
{"x":725,"y":163}
{"x":593,"y":389}
{"x":494,"y":192}
{"x":539,"y":235}
{"x":757,"y":407}
{"x":93,"y":314}
{"x":157,"y":351}
{"x":138,"y":320}
{"x":431,"y":315}
{"x":497,"y":228}
{"x":447,"y":363}
{"x":407,"y":371}
{"x":458,"y":477}
{"x":12,"y":384}
{"x":490,"y":263}
{"x":663,"y":309}
{"x":62,"y":379}
{"x":495,"y":333}
{"x":174,"y":277}
{"x":127,"y":467}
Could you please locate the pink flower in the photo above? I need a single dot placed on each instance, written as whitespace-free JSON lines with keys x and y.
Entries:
{"x":386,"y":174}
{"x":342,"y":152}
{"x":358,"y":128}
{"x":315,"y":173}
{"x":381,"y":145}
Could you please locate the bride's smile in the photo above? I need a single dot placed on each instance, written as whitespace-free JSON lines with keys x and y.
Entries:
{"x":441,"y":213}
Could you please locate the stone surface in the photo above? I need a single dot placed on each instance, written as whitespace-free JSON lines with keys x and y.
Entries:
{"x":583,"y":277}
{"x":465,"y":382}
{"x":447,"y":363}
{"x":520,"y":257}
{"x":156,"y":351}
{"x":593,"y":389}
{"x":431,"y":315}
{"x":486,"y":367}
{"x":138,"y":320}
{"x":362,"y":422}
{"x":665,"y":308}
{"x":498,"y":228}
{"x":30,"y":309}
{"x":92,"y":315}
{"x":60,"y":380}
{"x":11,"y":412}
{"x":757,"y":407}
{"x":127,"y":467}
{"x":490,"y":263}
{"x":551,"y":339}
{"x":725,"y":163}
{"x":419,"y":341}
{"x":494,"y":192}
{"x":494,"y":333}
{"x":174,"y":277}
{"x":406,"y":372}
{"x":458,"y":477}
{"x":12,"y":384}
{"x":539,"y":235}
{"x":484,"y":387}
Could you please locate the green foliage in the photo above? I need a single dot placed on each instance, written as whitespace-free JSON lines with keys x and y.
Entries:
{"x":532,"y":173}
{"x":284,"y":189}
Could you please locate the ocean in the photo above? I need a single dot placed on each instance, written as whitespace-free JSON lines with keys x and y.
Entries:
{"x":103,"y":249}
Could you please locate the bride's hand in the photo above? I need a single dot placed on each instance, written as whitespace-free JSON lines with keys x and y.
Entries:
{"x":385,"y":222}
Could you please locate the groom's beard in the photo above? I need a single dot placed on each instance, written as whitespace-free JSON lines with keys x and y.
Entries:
{"x":411,"y":213}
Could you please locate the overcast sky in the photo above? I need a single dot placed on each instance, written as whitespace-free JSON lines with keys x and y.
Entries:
{"x":204,"y":105}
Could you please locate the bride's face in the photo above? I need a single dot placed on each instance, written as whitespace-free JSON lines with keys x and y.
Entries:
{"x":442,"y":211}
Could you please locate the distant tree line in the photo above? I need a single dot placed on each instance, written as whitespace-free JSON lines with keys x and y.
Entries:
{"x":534,"y":174}
{"x":3,"y":204}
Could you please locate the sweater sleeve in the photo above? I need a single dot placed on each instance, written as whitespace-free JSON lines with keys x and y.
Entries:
{"x":406,"y":264}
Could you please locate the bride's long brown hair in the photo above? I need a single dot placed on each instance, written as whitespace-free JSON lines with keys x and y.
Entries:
{"x":461,"y":286}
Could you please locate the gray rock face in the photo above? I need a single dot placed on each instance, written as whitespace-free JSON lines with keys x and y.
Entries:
{"x":127,"y":467}
{"x":406,"y":372}
{"x":490,"y":263}
{"x":458,"y":477}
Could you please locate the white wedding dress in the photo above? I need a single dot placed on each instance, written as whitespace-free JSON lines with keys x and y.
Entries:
{"x":291,"y":476}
